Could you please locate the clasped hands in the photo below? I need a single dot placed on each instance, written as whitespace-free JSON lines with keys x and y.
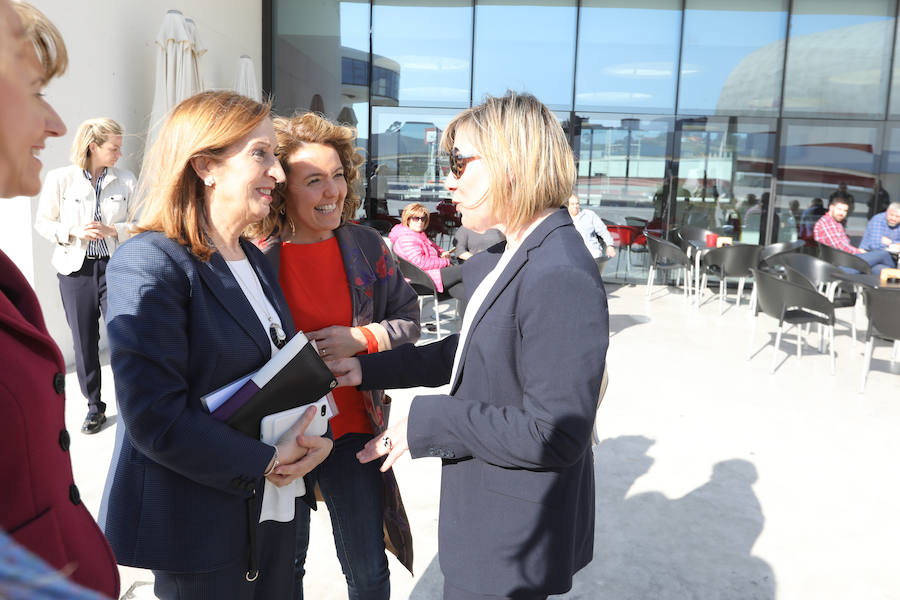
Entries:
{"x":392,"y":443}
{"x":298,"y":454}
{"x":94,"y":230}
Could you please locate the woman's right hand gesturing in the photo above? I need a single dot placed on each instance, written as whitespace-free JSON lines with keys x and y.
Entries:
{"x":298,"y":454}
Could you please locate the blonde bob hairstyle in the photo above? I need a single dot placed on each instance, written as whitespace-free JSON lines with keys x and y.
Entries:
{"x":414,"y":209}
{"x":92,"y":131}
{"x":48,"y":41}
{"x":172,"y":195}
{"x":293,"y":133}
{"x":525,"y":151}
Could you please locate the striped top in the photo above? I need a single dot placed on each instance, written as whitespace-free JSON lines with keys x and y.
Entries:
{"x":97,"y":248}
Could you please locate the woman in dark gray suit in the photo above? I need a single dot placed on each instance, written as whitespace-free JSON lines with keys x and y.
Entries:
{"x":514,"y":429}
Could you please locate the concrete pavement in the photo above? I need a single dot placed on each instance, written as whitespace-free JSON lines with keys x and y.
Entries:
{"x":715,"y":478}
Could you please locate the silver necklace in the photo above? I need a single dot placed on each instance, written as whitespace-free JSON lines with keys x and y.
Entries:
{"x":275,"y":331}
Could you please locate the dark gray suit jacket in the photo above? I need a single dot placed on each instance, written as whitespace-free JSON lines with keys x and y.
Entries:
{"x":517,"y":485}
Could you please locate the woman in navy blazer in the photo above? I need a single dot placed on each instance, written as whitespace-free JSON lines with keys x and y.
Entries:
{"x":192,"y":307}
{"x":514,"y":430}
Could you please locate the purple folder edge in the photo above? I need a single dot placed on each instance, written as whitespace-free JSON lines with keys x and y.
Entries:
{"x":240,"y":397}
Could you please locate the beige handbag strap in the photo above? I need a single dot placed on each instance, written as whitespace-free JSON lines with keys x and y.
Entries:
{"x":603,"y":384}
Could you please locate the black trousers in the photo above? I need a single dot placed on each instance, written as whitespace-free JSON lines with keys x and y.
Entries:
{"x":275,"y":549}
{"x":451,"y":277}
{"x":84,"y":300}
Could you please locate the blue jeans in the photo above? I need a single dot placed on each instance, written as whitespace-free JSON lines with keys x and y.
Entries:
{"x":877,"y":259}
{"x":354,"y":494}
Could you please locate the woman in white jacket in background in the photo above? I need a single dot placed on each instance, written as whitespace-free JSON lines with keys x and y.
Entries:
{"x":85,"y":209}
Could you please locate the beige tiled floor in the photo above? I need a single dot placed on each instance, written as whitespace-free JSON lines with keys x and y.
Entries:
{"x":715,"y":478}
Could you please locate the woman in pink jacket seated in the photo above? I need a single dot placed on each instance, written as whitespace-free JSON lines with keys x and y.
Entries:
{"x":410,"y":243}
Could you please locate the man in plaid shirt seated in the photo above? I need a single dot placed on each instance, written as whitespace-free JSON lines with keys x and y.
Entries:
{"x":883,"y":231}
{"x":830,"y":232}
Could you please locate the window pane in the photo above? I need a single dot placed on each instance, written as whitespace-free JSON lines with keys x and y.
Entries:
{"x":431,"y":41}
{"x":321,"y":60}
{"x":888,"y":187}
{"x":621,"y":164}
{"x":621,"y":161}
{"x":820,"y":159}
{"x":838,"y":58}
{"x":726,"y":72}
{"x":525,"y":46}
{"x":405,"y":162}
{"x":627,"y":55}
{"x":895,"y":80}
{"x":724,"y":174}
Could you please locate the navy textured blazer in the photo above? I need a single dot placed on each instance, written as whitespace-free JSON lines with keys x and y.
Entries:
{"x":517,"y":484}
{"x":176,"y":497}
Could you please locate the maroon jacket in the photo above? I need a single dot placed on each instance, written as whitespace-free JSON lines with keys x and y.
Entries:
{"x":40,"y":505}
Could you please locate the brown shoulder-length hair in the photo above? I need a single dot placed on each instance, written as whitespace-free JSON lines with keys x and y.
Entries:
{"x":172,"y":196}
{"x":295,"y":132}
{"x":414,"y":209}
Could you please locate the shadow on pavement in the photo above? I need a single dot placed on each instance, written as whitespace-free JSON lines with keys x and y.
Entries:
{"x":650,"y":546}
{"x":619,"y":323}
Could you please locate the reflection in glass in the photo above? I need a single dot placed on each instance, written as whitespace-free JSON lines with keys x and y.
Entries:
{"x":732,"y":57}
{"x":621,"y":163}
{"x":724,"y":175}
{"x":888,"y":187}
{"x":321,"y":61}
{"x":838,"y":58}
{"x":822,"y":159}
{"x":406,"y":165}
{"x":525,"y":46}
{"x":627,"y":55}
{"x":894,"y":108}
{"x":431,"y":41}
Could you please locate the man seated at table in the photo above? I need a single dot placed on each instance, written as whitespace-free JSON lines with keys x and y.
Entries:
{"x":883,"y":231}
{"x":830,"y":232}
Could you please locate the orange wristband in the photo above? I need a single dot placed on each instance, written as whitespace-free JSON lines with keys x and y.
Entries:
{"x":371,"y":342}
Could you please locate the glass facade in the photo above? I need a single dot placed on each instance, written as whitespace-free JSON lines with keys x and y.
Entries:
{"x":731,"y":116}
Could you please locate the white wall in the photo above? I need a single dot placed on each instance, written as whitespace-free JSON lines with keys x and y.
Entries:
{"x":112,"y":64}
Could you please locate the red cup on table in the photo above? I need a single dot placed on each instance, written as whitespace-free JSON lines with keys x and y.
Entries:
{"x":711,"y":239}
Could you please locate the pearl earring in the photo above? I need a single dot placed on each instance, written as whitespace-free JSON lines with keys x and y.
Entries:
{"x":208,"y":181}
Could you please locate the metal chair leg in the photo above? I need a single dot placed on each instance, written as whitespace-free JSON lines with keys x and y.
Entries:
{"x":752,"y":337}
{"x":740,"y":290}
{"x":831,"y":346}
{"x":437,"y":316}
{"x":777,"y":346}
{"x":722,"y":289}
{"x":701,"y":290}
{"x":867,"y":363}
{"x":650,"y":276}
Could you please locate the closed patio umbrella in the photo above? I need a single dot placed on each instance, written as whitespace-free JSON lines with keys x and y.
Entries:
{"x":245,"y":80}
{"x":198,"y":50}
{"x":177,"y":69}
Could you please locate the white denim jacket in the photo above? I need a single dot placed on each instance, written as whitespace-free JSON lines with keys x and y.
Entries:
{"x":67,"y":201}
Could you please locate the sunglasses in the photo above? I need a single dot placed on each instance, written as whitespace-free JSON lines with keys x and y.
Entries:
{"x":417,"y":218}
{"x":458,"y":162}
